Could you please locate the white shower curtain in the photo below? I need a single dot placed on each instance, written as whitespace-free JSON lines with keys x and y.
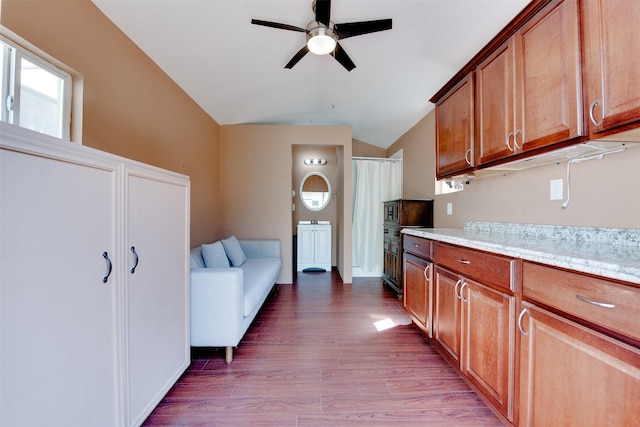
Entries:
{"x":375,"y":181}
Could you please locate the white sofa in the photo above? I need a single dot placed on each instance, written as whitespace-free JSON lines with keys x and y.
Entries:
{"x":225,"y":300}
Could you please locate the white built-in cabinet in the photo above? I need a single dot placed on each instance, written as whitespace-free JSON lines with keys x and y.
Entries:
{"x":85,"y":338}
{"x":314,"y":246}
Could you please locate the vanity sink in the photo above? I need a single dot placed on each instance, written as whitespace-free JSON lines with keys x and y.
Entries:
{"x":313,"y":222}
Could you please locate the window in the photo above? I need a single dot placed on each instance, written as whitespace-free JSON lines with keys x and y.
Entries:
{"x":35,"y":94}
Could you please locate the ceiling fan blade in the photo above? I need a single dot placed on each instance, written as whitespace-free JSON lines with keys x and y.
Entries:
{"x":342,"y":57}
{"x":352,"y":29}
{"x":323,"y":11}
{"x":277,"y":25}
{"x":297,"y":57}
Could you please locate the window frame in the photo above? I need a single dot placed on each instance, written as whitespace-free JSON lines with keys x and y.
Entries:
{"x":19,"y":49}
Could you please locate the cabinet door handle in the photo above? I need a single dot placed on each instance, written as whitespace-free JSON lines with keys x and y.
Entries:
{"x":135,"y":254}
{"x":467,"y":156}
{"x":105,"y":255}
{"x":591,"y":116}
{"x":599,"y":304}
{"x":515,"y":140}
{"x":464,"y":261}
{"x":464,"y":285}
{"x":509,"y":140}
{"x":455,"y":289}
{"x":522,"y":313}
{"x":424,"y":273}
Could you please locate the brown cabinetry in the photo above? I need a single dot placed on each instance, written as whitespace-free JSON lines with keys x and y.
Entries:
{"x":474,"y":319}
{"x":397,"y":215}
{"x":612,"y":64}
{"x":454,"y":130}
{"x":418,"y":282}
{"x":571,"y":375}
{"x":528,"y":91}
{"x":574,"y":371}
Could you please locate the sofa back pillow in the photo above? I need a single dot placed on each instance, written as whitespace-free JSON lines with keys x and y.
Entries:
{"x":214,"y":255}
{"x":234,"y":251}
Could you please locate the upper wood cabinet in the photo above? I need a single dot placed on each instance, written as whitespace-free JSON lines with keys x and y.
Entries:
{"x":454,"y":130}
{"x":612,"y":65}
{"x":528,"y":91}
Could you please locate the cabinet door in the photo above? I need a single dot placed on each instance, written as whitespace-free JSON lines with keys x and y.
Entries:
{"x":612,"y":58}
{"x":488,"y":343}
{"x":570,"y":375}
{"x":418,"y":290}
{"x":323,"y":245}
{"x":495,"y":104}
{"x":446,"y":326}
{"x":454,"y":130}
{"x":306,"y":247}
{"x":57,"y":313}
{"x":157,"y":290}
{"x":549,"y":87}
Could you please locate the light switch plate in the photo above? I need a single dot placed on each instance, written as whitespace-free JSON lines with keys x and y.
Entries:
{"x":555,"y":189}
{"x":449,"y":208}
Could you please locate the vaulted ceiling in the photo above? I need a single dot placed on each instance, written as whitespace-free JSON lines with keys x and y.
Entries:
{"x":235,"y":70}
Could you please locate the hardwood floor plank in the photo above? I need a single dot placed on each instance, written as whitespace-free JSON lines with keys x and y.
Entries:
{"x":314,"y":357}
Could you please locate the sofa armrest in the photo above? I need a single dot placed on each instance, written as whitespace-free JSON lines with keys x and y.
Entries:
{"x":217,"y":306}
{"x":261,"y":248}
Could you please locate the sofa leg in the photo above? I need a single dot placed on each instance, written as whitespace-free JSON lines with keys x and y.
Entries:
{"x":228,"y":357}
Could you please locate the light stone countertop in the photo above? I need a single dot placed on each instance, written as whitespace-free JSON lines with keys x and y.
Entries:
{"x":608,"y":252}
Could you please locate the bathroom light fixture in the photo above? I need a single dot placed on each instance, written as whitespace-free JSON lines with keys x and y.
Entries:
{"x":315,"y":162}
{"x":321,"y":39}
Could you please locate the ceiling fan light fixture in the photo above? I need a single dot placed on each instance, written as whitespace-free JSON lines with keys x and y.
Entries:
{"x":321,"y":40}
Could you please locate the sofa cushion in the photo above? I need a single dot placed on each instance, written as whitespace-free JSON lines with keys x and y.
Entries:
{"x":234,"y":251}
{"x":259,"y":276}
{"x":195,"y":256}
{"x":214,"y":255}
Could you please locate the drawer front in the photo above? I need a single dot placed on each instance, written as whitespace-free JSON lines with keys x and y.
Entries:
{"x":599,"y":301}
{"x":417,"y":246}
{"x":489,"y":269}
{"x":391,"y":233}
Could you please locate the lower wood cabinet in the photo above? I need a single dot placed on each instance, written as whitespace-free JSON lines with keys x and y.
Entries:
{"x":570,"y":358}
{"x":572,"y":375}
{"x":488,"y":343}
{"x":447,"y":319}
{"x":418,"y":291}
{"x":474,"y":328}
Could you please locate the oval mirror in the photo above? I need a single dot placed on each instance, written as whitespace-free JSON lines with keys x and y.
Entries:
{"x":315,"y":191}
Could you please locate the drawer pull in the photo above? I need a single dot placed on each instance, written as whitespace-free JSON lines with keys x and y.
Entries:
{"x":463,"y":261}
{"x":522,"y":313}
{"x":599,"y":304}
{"x":416,"y":245}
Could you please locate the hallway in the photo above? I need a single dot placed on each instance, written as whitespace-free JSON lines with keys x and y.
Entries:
{"x":314,"y":357}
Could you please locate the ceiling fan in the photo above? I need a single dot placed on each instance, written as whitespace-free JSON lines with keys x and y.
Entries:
{"x":323,"y":35}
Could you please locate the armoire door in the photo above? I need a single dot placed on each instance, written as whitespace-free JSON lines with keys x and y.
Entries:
{"x":156,"y":285}
{"x":58,"y":291}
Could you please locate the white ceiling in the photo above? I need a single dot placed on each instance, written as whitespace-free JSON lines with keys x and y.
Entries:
{"x":235,"y":70}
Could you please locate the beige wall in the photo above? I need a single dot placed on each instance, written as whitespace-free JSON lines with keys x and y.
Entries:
{"x":256,"y":175}
{"x":418,"y":159}
{"x":131,"y":108}
{"x":362,"y":149}
{"x":604,"y":193}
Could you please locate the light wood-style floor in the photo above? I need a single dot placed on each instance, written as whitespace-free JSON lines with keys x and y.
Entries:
{"x":313,"y":357}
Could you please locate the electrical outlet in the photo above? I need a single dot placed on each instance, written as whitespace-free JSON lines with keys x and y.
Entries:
{"x":449,"y":208}
{"x":555,"y":189}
